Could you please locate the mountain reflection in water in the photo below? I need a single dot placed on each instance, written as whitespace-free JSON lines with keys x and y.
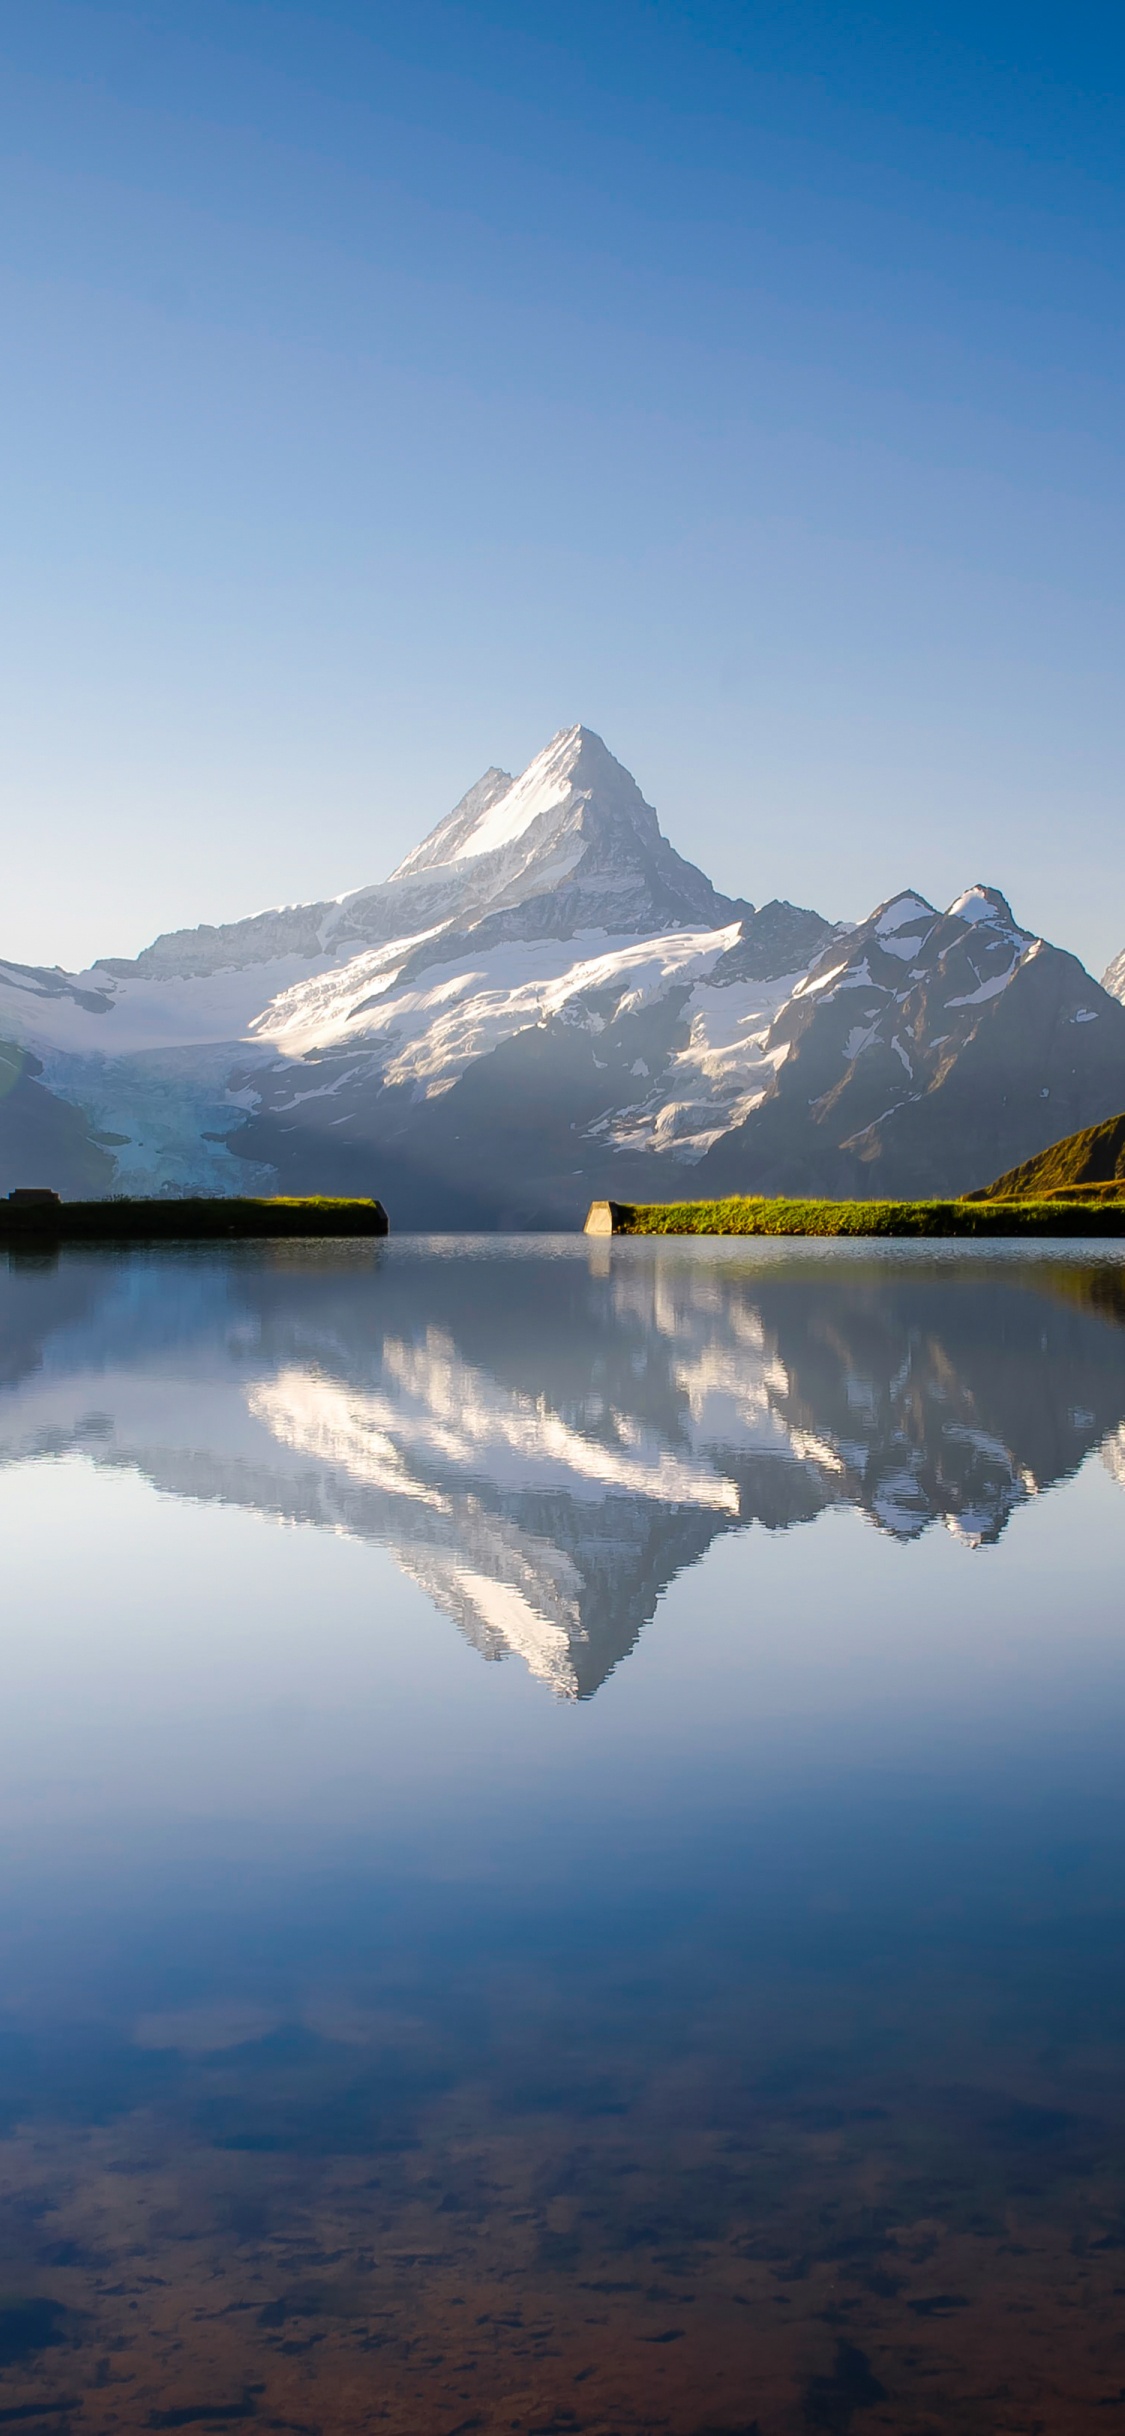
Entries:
{"x":387,"y":2046}
{"x":546,"y":1448}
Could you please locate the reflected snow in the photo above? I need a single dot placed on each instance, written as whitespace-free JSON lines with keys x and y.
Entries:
{"x":545,"y":1441}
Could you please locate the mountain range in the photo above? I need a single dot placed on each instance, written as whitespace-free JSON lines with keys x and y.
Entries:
{"x":545,"y":1003}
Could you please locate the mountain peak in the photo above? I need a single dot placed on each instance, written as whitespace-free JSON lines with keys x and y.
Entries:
{"x":498,"y":811}
{"x":898,"y":913}
{"x":982,"y":904}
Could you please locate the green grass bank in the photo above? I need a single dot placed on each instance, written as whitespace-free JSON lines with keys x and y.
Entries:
{"x":36,"y":1220}
{"x":750,"y":1214}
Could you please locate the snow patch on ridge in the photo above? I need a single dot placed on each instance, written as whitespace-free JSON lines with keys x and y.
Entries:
{"x":823,"y":981}
{"x":988,"y":989}
{"x":715,"y":1082}
{"x":981,"y":904}
{"x":544,"y":786}
{"x":894,"y":917}
{"x":148,"y":1015}
{"x":427,"y":1031}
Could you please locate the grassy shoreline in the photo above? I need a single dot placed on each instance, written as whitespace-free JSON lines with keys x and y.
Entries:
{"x":751,"y":1214}
{"x":192,"y":1220}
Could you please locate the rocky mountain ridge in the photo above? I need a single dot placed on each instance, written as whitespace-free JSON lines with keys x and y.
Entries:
{"x":545,"y":1003}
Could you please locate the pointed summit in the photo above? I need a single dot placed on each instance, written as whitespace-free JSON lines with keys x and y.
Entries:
{"x":569,"y":845}
{"x":498,"y":811}
{"x":982,"y":904}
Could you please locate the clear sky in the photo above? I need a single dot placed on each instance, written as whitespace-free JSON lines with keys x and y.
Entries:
{"x":388,"y":385}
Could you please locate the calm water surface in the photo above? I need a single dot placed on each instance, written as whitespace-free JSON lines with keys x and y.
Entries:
{"x":564,"y":1840}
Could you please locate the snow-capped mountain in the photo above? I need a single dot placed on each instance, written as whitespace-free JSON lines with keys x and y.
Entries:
{"x":546,"y":1443}
{"x":920,"y":1048}
{"x":545,"y":1003}
{"x":1113,"y":978}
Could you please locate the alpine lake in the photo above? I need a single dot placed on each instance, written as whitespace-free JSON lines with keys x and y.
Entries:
{"x":563,"y":1817}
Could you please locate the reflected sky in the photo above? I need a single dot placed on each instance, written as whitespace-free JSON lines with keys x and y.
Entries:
{"x":564,"y":1836}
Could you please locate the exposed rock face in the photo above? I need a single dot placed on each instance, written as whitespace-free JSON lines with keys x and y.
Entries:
{"x":43,"y":1139}
{"x":545,"y":1004}
{"x":922,"y":1050}
{"x":779,"y":938}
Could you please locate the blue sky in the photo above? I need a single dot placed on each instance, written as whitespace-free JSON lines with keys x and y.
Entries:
{"x":388,"y":386}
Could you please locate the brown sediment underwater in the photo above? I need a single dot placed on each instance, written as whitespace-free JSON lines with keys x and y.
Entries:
{"x":718,"y":2255}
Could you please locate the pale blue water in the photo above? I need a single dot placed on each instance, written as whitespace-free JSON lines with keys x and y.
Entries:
{"x":564,"y":1838}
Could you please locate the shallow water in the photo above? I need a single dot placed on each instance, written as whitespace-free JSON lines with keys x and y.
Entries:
{"x":565,"y":1839}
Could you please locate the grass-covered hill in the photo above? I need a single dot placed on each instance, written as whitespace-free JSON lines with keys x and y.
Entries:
{"x":1089,"y":1162}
